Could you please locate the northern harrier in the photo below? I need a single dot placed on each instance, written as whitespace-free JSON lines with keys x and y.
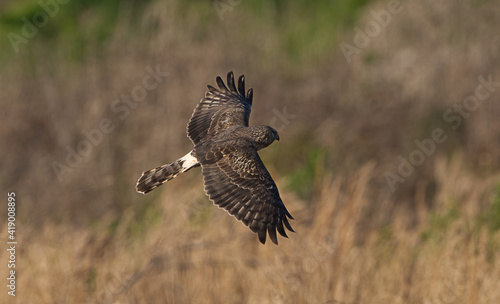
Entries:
{"x":226,"y":147}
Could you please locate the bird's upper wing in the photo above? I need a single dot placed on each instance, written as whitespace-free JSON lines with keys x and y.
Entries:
{"x":220,"y":109}
{"x":236,"y":180}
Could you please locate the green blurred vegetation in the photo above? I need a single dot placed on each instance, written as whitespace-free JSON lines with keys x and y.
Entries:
{"x":78,"y":24}
{"x":307,"y":29}
{"x":438,"y":223}
{"x":493,"y":214}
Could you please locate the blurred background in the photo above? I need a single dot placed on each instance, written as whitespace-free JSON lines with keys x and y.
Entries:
{"x":388,"y":159}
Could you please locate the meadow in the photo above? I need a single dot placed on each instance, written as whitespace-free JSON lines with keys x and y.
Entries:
{"x":388,"y":159}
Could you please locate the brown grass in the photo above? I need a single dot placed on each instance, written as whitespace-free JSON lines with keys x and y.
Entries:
{"x":194,"y":253}
{"x":91,"y":239}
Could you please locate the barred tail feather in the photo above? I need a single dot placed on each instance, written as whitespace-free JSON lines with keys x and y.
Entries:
{"x":156,"y":177}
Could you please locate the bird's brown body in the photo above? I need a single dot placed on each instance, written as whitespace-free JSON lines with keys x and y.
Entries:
{"x":226,"y":148}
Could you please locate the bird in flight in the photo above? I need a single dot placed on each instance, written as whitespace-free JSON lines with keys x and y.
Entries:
{"x":234,"y":177}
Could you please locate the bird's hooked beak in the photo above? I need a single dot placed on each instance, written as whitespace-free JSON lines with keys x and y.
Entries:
{"x":277,"y":137}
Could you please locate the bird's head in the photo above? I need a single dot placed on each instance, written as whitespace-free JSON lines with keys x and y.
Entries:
{"x":263,"y":136}
{"x":275,"y":134}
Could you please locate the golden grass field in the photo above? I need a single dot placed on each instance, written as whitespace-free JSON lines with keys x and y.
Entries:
{"x":85,"y":236}
{"x":188,"y":253}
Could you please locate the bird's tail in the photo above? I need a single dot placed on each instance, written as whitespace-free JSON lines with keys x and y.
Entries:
{"x":153,"y":178}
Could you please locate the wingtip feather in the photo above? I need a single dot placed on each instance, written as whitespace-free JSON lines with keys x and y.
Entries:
{"x":281,"y":229}
{"x":241,"y":85}
{"x":221,"y":84}
{"x":250,"y":95}
{"x":230,"y":82}
{"x":272,"y":233}
{"x":262,"y":235}
{"x":287,"y":224}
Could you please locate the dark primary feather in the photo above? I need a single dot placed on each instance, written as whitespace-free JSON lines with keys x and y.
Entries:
{"x":220,"y":109}
{"x":236,"y":180}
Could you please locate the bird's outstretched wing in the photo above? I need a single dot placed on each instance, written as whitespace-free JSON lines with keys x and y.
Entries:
{"x":236,"y":180}
{"x":220,"y":109}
